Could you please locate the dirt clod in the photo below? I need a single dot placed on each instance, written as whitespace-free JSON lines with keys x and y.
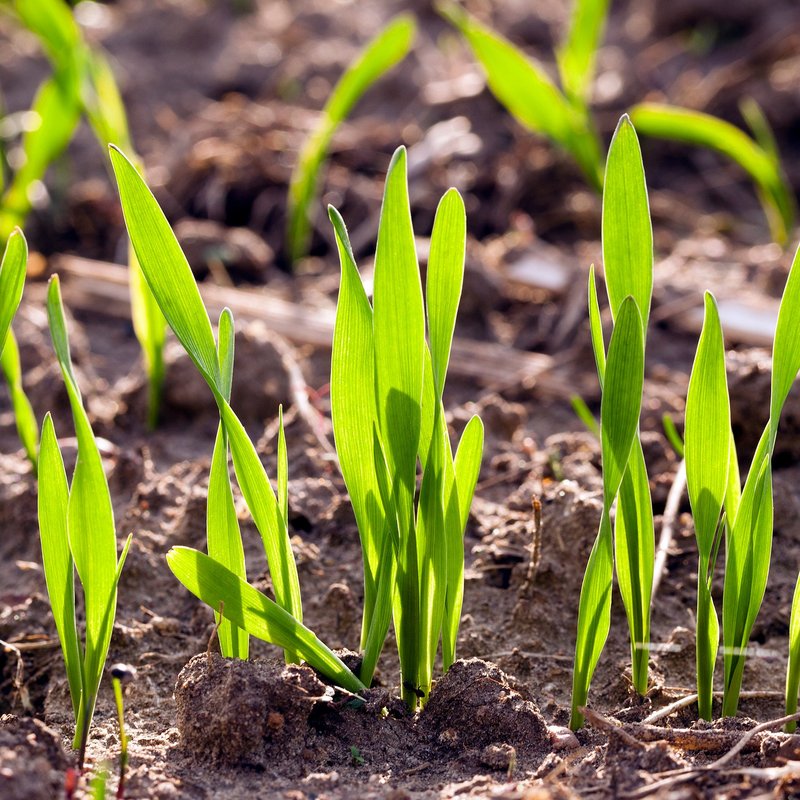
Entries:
{"x":475,"y":706}
{"x":32,"y":761}
{"x":245,"y":712}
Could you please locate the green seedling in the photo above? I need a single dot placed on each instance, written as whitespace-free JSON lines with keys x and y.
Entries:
{"x":389,"y":47}
{"x":793,"y":666}
{"x":757,"y":156}
{"x":121,"y":674}
{"x":386,"y":398}
{"x":82,"y":85}
{"x":628,"y":263}
{"x":76,"y":525}
{"x":526,"y":90}
{"x":722,"y":507}
{"x":12,"y":281}
{"x":210,"y":579}
{"x":749,"y":542}
{"x":386,"y":405}
{"x":564,"y":115}
{"x":707,"y":452}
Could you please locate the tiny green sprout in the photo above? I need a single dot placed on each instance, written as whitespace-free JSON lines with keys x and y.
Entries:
{"x":121,"y":675}
{"x":388,"y":48}
{"x":356,"y":757}
{"x":77,"y":531}
{"x":219,"y":579}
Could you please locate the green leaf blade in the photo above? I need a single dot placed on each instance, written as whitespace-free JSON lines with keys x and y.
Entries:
{"x":255,"y":613}
{"x":165,"y":268}
{"x":388,"y":48}
{"x":57,"y":558}
{"x":627,"y":232}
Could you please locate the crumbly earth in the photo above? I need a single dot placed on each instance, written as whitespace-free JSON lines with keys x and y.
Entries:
{"x":220,"y":95}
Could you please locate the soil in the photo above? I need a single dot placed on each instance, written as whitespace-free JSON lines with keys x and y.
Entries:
{"x":220,"y":95}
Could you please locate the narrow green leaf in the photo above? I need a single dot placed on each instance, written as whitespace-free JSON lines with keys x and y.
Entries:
{"x":584,"y":414}
{"x":627,"y":232}
{"x":225,"y":541}
{"x":786,"y":347}
{"x":634,"y":557}
{"x":283,"y":473}
{"x":622,"y":396}
{"x":384,"y":51}
{"x":673,"y":437}
{"x":466,"y":468}
{"x":12,"y":280}
{"x":165,"y":268}
{"x":707,"y":444}
{"x":57,"y":108}
{"x":25,"y":419}
{"x":354,"y":412}
{"x":793,"y":667}
{"x":707,"y":433}
{"x":596,"y":328}
{"x":576,"y":56}
{"x":263,"y":506}
{"x":90,"y":522}
{"x":619,"y":419}
{"x":399,"y":340}
{"x":56,"y":557}
{"x":226,"y":339}
{"x":444,"y":280}
{"x":704,"y":130}
{"x":254,"y":612}
{"x":594,"y":618}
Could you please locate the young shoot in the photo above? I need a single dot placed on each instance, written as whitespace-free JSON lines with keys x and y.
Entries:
{"x":630,"y":545}
{"x":76,"y":526}
{"x":387,"y":380}
{"x":219,"y":579}
{"x":388,"y":48}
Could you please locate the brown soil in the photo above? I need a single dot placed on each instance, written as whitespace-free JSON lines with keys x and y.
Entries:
{"x":220,"y":95}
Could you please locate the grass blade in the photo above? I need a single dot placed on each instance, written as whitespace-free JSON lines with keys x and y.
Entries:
{"x":466,"y":467}
{"x":627,"y":232}
{"x":225,"y":541}
{"x":25,"y":419}
{"x":399,"y":340}
{"x":165,"y":268}
{"x":254,"y":612}
{"x":576,"y":56}
{"x":634,"y":557}
{"x":526,"y":91}
{"x":57,"y":558}
{"x":695,"y":128}
{"x":57,"y":107}
{"x":90,"y":523}
{"x":12,"y":280}
{"x":793,"y":667}
{"x":444,"y":280}
{"x":263,"y":505}
{"x":619,"y":419}
{"x":388,"y":48}
{"x":707,"y":452}
{"x":354,"y":413}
